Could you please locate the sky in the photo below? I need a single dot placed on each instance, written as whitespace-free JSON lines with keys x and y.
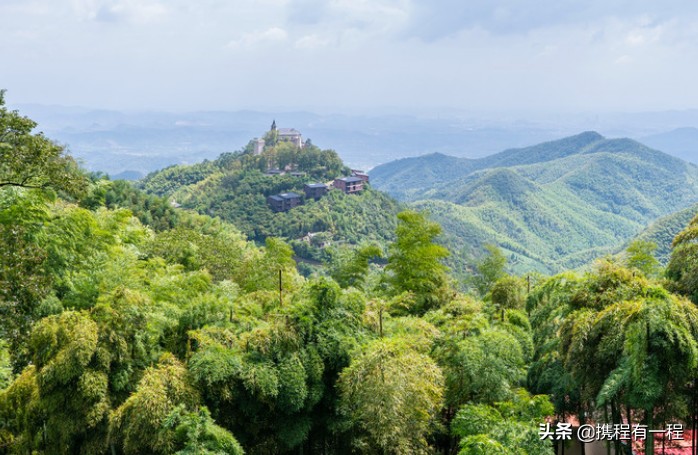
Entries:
{"x":352,"y":55}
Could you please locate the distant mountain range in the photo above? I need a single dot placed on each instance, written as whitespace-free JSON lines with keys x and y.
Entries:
{"x":145,"y":141}
{"x":680,"y":142}
{"x":552,"y":206}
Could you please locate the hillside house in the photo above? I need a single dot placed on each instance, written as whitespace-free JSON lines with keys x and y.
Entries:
{"x":349,"y":185}
{"x":315,"y":190}
{"x":284,"y":202}
{"x":361,"y":174}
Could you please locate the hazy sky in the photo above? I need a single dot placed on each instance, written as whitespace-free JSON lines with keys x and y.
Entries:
{"x":587,"y":55}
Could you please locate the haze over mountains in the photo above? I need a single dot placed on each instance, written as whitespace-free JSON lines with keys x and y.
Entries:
{"x":141,"y":142}
{"x":555,"y":205}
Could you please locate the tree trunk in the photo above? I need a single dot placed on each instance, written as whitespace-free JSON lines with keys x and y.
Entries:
{"x":695,"y":419}
{"x":605,"y":417}
{"x":582,"y":421}
{"x":615,"y":415}
{"x":649,"y":421}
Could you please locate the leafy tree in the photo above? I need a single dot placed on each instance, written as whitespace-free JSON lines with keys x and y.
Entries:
{"x":415,"y":262}
{"x":197,"y":434}
{"x":349,"y":268}
{"x":639,"y":256}
{"x":161,"y":417}
{"x":262,"y":270}
{"x":24,"y":279}
{"x":682,"y":270}
{"x":65,"y":390}
{"x":509,"y":427}
{"x":30,"y":160}
{"x":508,"y":293}
{"x":490,"y":269}
{"x":391,"y":394}
{"x":5,"y":365}
{"x":625,"y":343}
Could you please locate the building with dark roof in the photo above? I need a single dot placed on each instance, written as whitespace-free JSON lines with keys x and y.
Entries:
{"x":349,"y":185}
{"x":361,"y":174}
{"x":315,"y":190}
{"x":284,"y":202}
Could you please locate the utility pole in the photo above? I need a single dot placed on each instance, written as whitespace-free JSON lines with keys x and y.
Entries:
{"x":380,"y":321}
{"x":281,"y":297}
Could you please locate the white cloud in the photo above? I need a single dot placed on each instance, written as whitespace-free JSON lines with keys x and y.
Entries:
{"x":134,"y":11}
{"x":257,"y":38}
{"x":311,"y":42}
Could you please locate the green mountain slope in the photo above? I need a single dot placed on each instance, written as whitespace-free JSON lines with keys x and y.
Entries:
{"x":235,"y":188}
{"x":663,"y":231}
{"x":409,"y":177}
{"x":551,"y":206}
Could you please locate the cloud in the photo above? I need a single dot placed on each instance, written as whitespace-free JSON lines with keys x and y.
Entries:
{"x":435,"y":19}
{"x":263,"y":37}
{"x":133,"y":11}
{"x":311,"y":42}
{"x":345,"y":24}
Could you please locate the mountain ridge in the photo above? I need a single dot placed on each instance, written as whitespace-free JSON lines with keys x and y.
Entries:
{"x":553,"y":205}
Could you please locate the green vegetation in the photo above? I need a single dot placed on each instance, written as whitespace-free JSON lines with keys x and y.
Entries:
{"x":550,"y":207}
{"x":663,"y":231}
{"x":235,"y":188}
{"x":129,"y":327}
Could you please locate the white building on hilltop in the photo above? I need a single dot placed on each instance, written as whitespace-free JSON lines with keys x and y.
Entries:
{"x":291,"y":135}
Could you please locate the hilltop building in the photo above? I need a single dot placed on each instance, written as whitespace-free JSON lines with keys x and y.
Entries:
{"x":258,"y":146}
{"x":315,"y":190}
{"x":284,"y":202}
{"x":349,"y":185}
{"x":291,"y":135}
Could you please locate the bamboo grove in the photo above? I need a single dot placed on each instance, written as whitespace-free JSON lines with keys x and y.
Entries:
{"x":127,"y":327}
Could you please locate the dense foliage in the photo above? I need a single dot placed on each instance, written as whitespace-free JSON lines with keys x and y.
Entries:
{"x":152,"y":330}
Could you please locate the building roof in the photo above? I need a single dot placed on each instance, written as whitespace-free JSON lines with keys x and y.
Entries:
{"x":351,"y":179}
{"x":283,"y":196}
{"x":289,"y":195}
{"x":316,"y":185}
{"x":288,"y":132}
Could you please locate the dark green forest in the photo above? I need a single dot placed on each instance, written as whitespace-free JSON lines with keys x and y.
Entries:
{"x":128,"y":326}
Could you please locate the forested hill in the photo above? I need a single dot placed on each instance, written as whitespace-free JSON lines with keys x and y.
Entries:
{"x":551,"y":206}
{"x":235,"y":187}
{"x":663,"y":231}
